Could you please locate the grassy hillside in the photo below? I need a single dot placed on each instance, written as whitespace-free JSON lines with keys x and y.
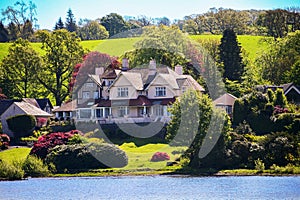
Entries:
{"x":253,"y":45}
{"x":116,"y":47}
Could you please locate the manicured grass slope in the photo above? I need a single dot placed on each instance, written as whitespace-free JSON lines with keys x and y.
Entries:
{"x":254,"y":45}
{"x":116,"y":47}
{"x":17,"y":154}
{"x":139,"y":157}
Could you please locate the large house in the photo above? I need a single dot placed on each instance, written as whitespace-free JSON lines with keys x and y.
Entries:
{"x":131,"y":95}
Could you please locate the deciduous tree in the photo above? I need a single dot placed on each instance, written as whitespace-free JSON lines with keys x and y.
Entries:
{"x":20,"y":68}
{"x":63,"y":51}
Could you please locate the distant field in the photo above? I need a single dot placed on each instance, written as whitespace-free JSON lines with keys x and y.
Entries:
{"x":116,"y":47}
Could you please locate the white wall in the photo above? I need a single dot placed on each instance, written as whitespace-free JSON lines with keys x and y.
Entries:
{"x":11,"y":111}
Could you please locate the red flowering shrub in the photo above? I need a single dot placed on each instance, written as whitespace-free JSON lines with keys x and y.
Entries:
{"x":45,"y":142}
{"x":160,"y":156}
{"x":4,"y":141}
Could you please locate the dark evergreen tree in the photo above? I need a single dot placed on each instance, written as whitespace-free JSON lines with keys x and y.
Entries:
{"x":230,"y":56}
{"x":70,"y":21}
{"x":13,"y":31}
{"x":59,"y":24}
{"x":3,"y":33}
{"x":114,"y":23}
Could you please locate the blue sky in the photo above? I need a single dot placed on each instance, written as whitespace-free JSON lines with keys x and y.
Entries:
{"x":50,"y":10}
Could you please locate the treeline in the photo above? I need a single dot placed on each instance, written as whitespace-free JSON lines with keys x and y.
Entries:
{"x":22,"y":22}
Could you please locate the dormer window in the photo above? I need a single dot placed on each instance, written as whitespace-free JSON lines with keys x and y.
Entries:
{"x":122,"y":92}
{"x":160,"y":91}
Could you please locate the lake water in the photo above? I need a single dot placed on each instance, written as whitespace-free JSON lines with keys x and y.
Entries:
{"x":153,"y":187}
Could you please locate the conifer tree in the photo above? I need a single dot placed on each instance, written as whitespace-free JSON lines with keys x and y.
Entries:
{"x":3,"y":33}
{"x":59,"y":24}
{"x":70,"y":21}
{"x":230,"y":56}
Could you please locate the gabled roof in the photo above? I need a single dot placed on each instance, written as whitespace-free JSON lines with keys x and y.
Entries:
{"x":30,"y":109}
{"x":194,"y":83}
{"x":43,"y":103}
{"x":31,"y":101}
{"x":225,"y":100}
{"x":67,"y":107}
{"x":96,"y":79}
{"x":133,"y":77}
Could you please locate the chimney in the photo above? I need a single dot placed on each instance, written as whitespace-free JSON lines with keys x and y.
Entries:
{"x":152,"y":67}
{"x":178,"y":69}
{"x":125,"y":64}
{"x":99,"y":70}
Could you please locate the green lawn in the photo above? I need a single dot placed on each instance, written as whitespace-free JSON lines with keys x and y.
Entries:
{"x":139,"y":157}
{"x":14,"y":154}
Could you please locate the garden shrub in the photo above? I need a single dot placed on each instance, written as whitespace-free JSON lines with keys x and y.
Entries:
{"x":160,"y":156}
{"x":259,"y":165}
{"x":35,"y":167}
{"x":21,"y":125}
{"x":4,"y":141}
{"x":45,"y":142}
{"x":80,"y":157}
{"x":12,"y":171}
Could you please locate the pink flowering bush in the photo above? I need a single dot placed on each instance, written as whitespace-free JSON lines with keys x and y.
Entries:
{"x":160,"y":156}
{"x":279,"y":110}
{"x":44,"y":143}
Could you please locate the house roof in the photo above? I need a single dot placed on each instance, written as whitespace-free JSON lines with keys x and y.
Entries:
{"x":30,"y":109}
{"x":135,"y":79}
{"x":96,"y":79}
{"x":225,"y":100}
{"x":31,"y":101}
{"x":43,"y":103}
{"x":194,"y":83}
{"x":67,"y":107}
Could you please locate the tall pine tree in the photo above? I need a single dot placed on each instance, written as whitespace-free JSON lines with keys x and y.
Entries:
{"x":70,"y":21}
{"x":230,"y":56}
{"x":59,"y":24}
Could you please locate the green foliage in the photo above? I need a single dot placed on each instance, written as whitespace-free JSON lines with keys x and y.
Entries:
{"x":19,"y":69}
{"x":35,"y":167}
{"x":280,"y":99}
{"x":63,"y":51}
{"x":77,"y":139}
{"x":230,"y":56}
{"x":194,"y":107}
{"x":21,"y":125}
{"x":11,"y":171}
{"x":277,"y":62}
{"x":92,"y":30}
{"x":259,"y":165}
{"x":114,"y":23}
{"x":81,"y":157}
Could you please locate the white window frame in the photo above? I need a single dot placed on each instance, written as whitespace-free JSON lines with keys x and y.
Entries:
{"x":123,"y":92}
{"x":85,"y":94}
{"x":160,"y":91}
{"x":123,"y":110}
